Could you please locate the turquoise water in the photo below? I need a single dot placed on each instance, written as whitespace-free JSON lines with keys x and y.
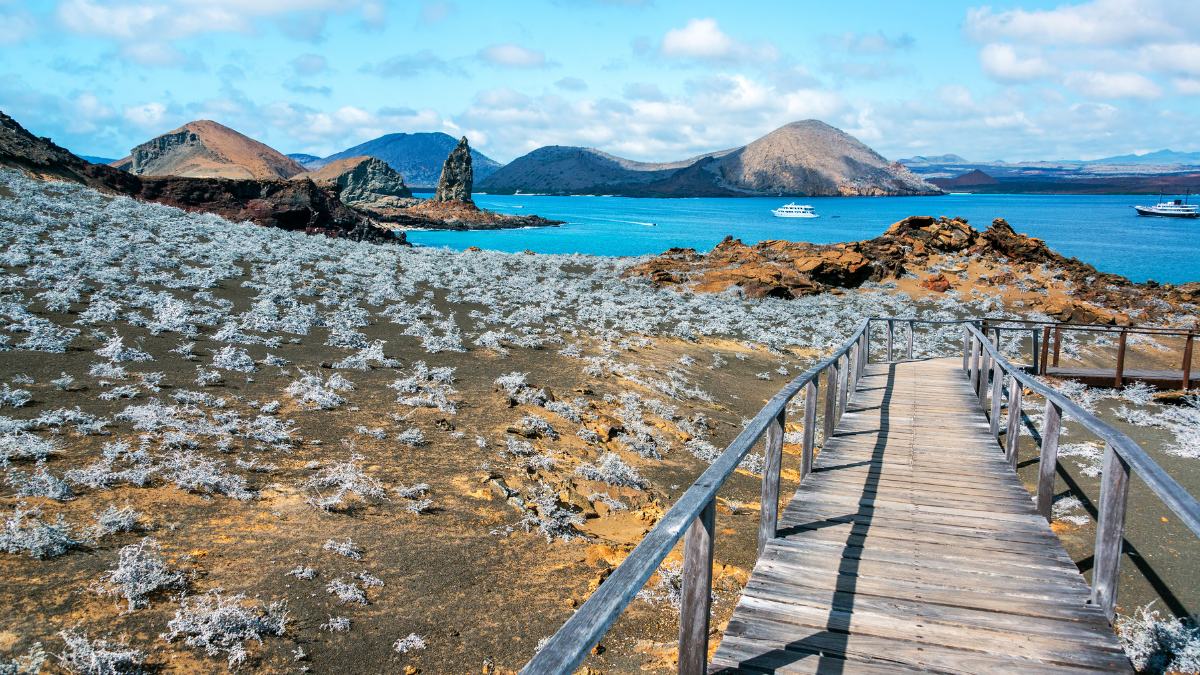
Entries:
{"x":1099,"y":229}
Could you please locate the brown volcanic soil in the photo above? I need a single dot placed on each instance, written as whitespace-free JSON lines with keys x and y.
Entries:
{"x":476,"y":595}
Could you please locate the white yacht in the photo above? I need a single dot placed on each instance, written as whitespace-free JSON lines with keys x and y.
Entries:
{"x":1176,"y":208}
{"x":794,"y":211}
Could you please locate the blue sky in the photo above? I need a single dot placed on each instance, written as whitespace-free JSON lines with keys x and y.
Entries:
{"x":651,"y":80}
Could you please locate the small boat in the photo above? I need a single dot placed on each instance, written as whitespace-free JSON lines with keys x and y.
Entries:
{"x":794,"y":211}
{"x":1175,"y":208}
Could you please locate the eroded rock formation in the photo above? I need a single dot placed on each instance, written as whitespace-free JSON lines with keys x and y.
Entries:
{"x":363,"y":183}
{"x":455,"y":183}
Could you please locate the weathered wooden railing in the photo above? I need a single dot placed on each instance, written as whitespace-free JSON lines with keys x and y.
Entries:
{"x":693,"y":515}
{"x":982,"y":362}
{"x":692,"y":518}
{"x":1046,"y":340}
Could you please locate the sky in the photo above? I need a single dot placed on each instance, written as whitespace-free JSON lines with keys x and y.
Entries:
{"x":644,"y":79}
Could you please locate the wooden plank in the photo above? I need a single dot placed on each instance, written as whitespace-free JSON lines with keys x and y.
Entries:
{"x":696,"y":593}
{"x":774,"y":618}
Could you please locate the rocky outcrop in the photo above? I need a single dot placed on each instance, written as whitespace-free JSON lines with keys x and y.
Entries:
{"x":206,"y":149}
{"x":364,"y":183}
{"x":292,"y":205}
{"x":289,"y":205}
{"x":794,"y":269}
{"x":433,"y":215}
{"x":456,"y":180}
{"x":418,"y":157}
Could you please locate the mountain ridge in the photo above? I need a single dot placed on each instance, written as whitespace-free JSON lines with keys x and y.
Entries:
{"x":804,"y":158}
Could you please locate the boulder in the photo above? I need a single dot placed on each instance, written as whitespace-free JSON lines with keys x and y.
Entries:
{"x":363,"y":182}
{"x":938,"y":283}
{"x":454,"y":185}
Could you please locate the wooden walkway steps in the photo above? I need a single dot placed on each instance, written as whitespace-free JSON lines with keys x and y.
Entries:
{"x":914,"y":547}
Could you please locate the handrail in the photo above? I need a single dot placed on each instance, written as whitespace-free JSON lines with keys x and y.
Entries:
{"x":692,"y":514}
{"x":981,"y":358}
{"x":1165,"y":488}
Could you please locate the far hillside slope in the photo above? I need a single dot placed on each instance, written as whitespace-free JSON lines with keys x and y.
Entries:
{"x":206,"y":149}
{"x":802,"y":158}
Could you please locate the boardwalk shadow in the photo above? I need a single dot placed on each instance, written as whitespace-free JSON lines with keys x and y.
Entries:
{"x":829,"y":645}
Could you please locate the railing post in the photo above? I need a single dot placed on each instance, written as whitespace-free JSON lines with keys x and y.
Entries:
{"x":997,"y":393}
{"x":860,"y":361}
{"x":1058,"y":333}
{"x":1037,"y":364}
{"x":982,"y":385}
{"x":1049,"y":459}
{"x":844,"y":384}
{"x":1046,"y":345}
{"x":975,"y":348}
{"x":1187,"y":362}
{"x":966,"y":349}
{"x":810,"y":426}
{"x":891,"y":333}
{"x":1120,"y":359}
{"x":772,"y":456}
{"x":696,"y":593}
{"x":831,"y":396}
{"x":1013,"y":440}
{"x":910,"y":340}
{"x":1110,"y":531}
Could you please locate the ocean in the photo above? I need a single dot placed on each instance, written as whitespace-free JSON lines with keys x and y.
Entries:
{"x":1099,"y":229}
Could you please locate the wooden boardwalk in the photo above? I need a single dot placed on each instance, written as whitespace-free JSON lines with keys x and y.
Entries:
{"x":914,"y":547}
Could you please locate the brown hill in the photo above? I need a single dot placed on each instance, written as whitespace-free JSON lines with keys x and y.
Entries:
{"x":291,"y":205}
{"x":802,"y":158}
{"x":813,"y":158}
{"x":206,"y":149}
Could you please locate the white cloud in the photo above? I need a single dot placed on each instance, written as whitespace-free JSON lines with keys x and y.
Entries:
{"x":1182,"y":58}
{"x":1187,"y":86}
{"x":703,"y":39}
{"x":1100,"y":23}
{"x":147,"y":115}
{"x":148,"y":29}
{"x":513,"y":56}
{"x":1002,"y":62}
{"x":1105,"y":85}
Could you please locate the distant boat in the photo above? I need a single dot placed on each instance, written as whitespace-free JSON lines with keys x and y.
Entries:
{"x":794,"y":211}
{"x":1176,"y":208}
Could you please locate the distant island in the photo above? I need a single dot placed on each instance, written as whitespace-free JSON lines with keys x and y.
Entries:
{"x":806,"y":158}
{"x":1165,"y":171}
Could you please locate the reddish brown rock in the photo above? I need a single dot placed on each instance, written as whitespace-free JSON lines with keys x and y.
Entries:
{"x":938,"y":283}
